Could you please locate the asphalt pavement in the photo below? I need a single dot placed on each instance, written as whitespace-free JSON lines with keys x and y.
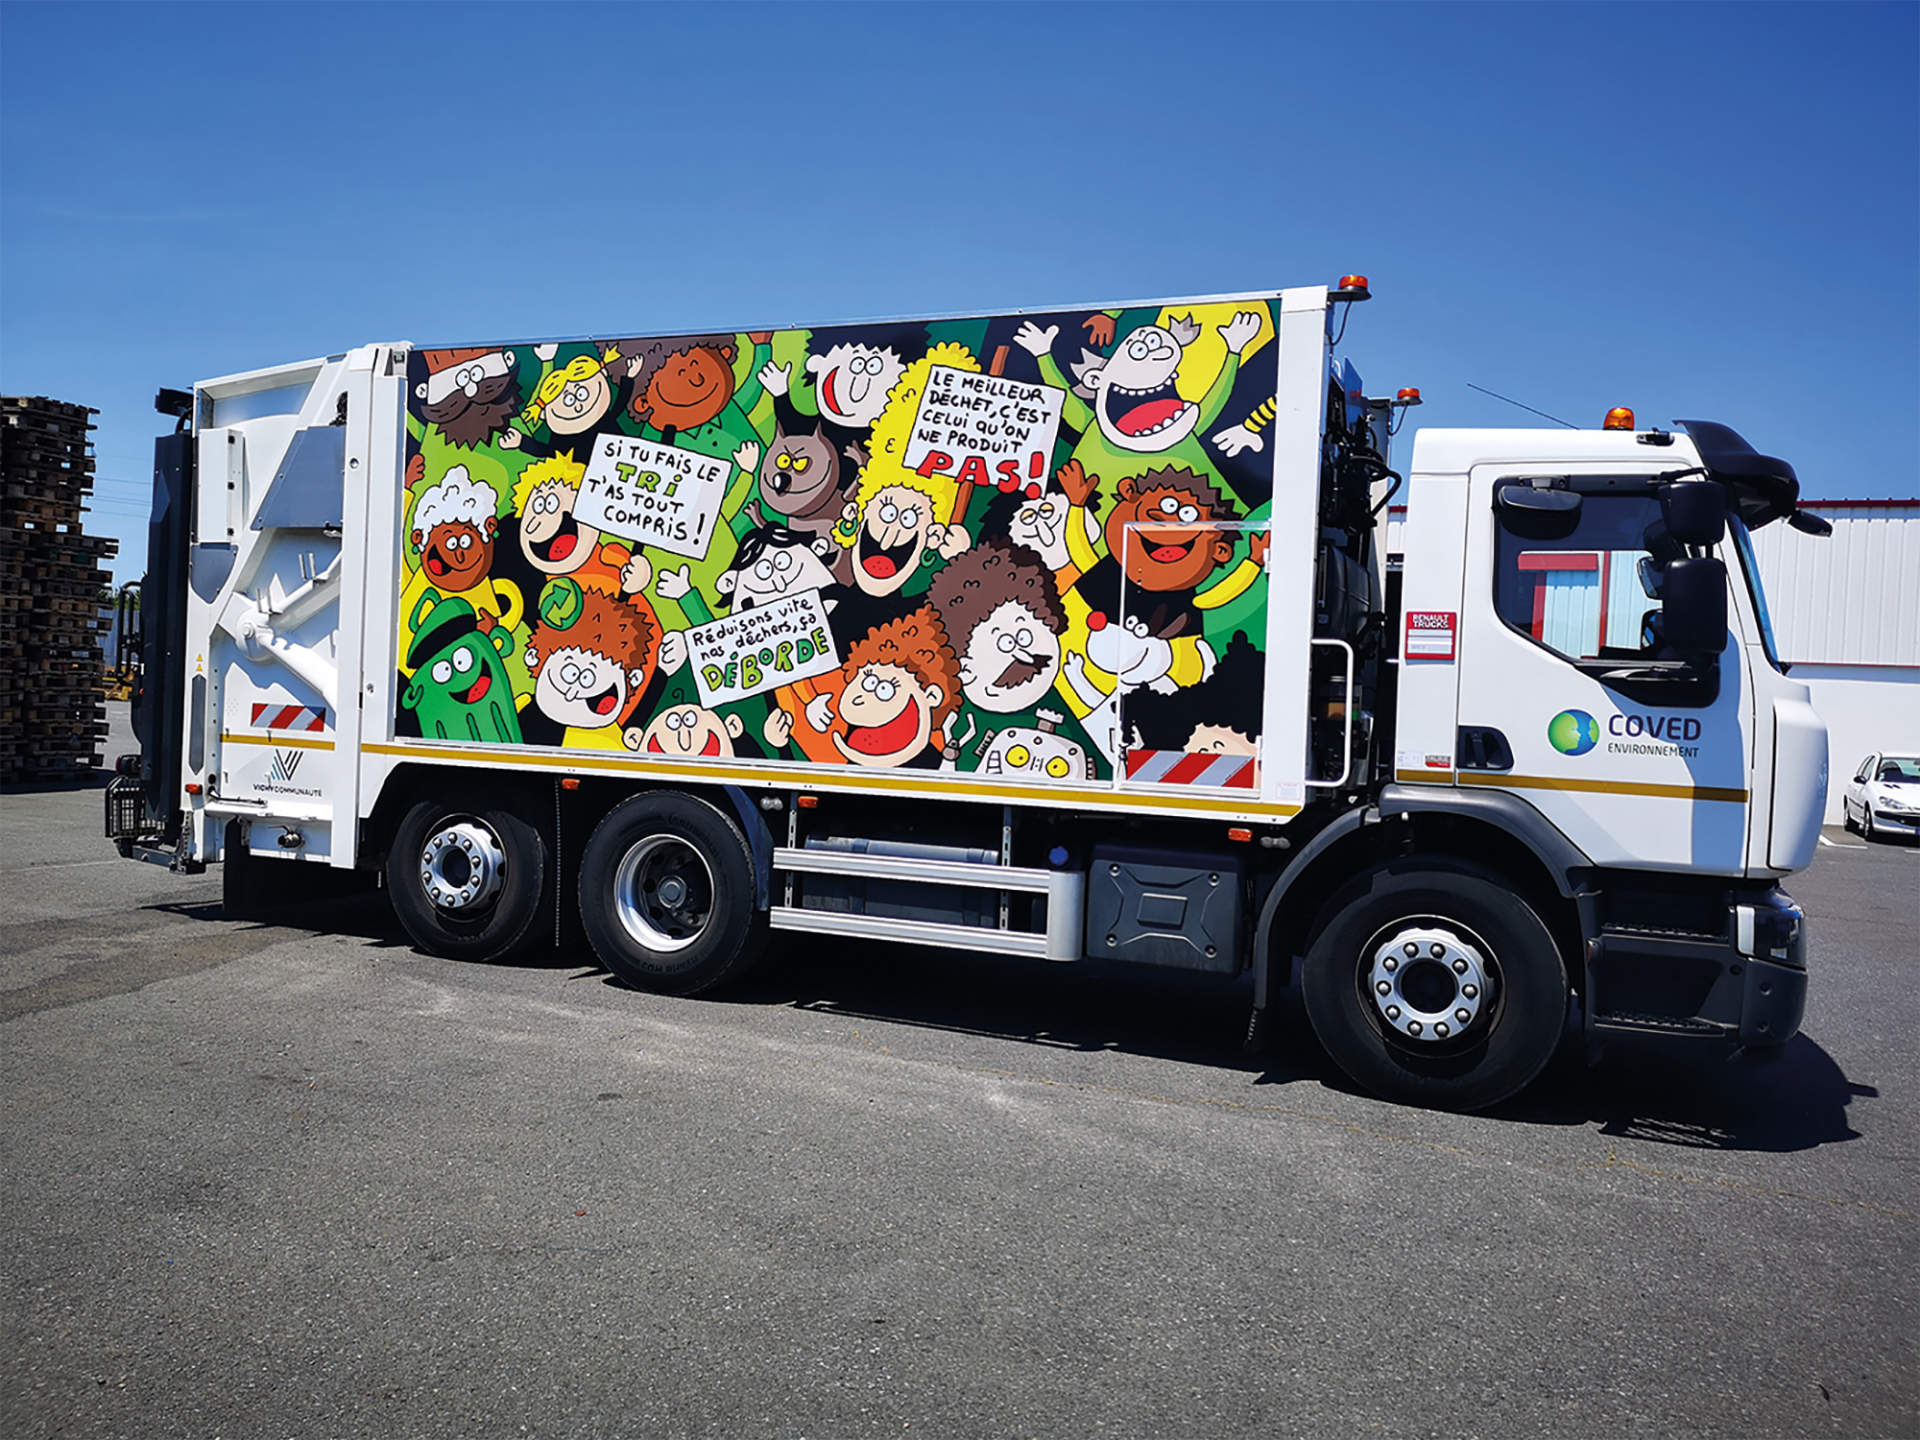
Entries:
{"x":295,"y":1179}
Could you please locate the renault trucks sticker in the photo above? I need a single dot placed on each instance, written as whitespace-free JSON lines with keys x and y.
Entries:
{"x":1429,"y":635}
{"x":1573,"y":732}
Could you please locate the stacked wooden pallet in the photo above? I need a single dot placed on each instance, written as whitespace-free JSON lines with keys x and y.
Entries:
{"x":52,"y":710}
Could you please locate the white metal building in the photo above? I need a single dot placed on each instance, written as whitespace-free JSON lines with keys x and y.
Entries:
{"x":1846,"y":616}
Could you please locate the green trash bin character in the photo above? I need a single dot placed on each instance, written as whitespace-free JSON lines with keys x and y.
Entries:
{"x":460,"y":688}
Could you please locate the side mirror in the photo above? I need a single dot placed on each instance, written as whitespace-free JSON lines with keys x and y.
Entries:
{"x":1695,"y":511}
{"x":1694,"y":606}
{"x":1536,"y":514}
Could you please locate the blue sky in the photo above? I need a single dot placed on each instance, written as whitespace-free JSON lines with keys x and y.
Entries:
{"x":1699,"y":211}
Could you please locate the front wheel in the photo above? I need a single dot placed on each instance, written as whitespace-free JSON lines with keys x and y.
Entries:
{"x":1433,"y":985}
{"x":667,"y":895}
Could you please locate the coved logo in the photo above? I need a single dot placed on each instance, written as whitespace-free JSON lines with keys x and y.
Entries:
{"x":1573,"y":732}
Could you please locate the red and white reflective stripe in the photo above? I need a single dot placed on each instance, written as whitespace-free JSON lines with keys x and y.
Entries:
{"x":1177,"y":767}
{"x":288,"y":717}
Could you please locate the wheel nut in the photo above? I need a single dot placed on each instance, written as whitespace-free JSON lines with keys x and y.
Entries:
{"x":1463,"y":1015}
{"x":1441,"y":1029}
{"x":1413,"y":950}
{"x":1472,"y":992}
{"x":1383,"y":987}
{"x":1438,"y":950}
{"x":1393,"y":1012}
{"x":1459,"y":967}
{"x":1413,"y":1027}
{"x":1390,"y":964}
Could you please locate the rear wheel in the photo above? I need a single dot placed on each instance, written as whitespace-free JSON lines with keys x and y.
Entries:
{"x":466,"y":882}
{"x":1846,"y":816}
{"x":667,"y":895}
{"x":1435,"y":986}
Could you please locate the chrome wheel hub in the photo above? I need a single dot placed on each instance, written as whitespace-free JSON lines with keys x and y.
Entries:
{"x":663,"y":893}
{"x":1428,"y":984}
{"x":460,"y":867}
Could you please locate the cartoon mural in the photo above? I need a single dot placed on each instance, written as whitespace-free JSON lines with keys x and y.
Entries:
{"x":918,"y":545}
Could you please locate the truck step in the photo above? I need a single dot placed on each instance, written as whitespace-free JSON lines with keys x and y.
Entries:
{"x":911,"y":932}
{"x":1626,"y":1022}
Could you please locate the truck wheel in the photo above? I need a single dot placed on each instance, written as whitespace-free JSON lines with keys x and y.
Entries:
{"x":466,"y":883}
{"x":1433,"y":985}
{"x":666,"y":895}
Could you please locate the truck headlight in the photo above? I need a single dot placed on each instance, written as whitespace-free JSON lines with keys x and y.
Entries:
{"x":1773,"y":929}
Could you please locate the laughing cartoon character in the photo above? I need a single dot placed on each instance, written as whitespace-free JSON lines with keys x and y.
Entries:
{"x":887,"y":705}
{"x":1128,"y":405}
{"x":687,"y":732}
{"x":591,"y":665}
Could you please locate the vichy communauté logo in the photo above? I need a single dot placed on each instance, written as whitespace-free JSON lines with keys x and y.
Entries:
{"x":285,"y":762}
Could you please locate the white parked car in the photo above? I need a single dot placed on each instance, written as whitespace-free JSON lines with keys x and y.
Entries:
{"x":1883,"y":798}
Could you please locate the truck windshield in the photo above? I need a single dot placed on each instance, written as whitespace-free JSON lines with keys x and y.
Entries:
{"x":1750,"y":567}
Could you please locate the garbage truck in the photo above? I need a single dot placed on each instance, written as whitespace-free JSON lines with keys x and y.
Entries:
{"x":1067,"y":634}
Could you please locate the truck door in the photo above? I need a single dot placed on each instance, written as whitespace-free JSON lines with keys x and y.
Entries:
{"x":1566,"y":695}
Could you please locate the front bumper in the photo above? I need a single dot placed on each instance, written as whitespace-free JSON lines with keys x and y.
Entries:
{"x":1896,"y":822}
{"x":1744,"y":985}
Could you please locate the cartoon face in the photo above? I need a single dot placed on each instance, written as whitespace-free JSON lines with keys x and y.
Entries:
{"x":1135,"y":400}
{"x":688,"y":389}
{"x":583,"y":688}
{"x":801,"y":473}
{"x":852,"y":382}
{"x":897,"y":525}
{"x":581,"y":404}
{"x":773,"y":573}
{"x":1219,"y":740}
{"x":473,"y":401}
{"x":551,"y":539}
{"x":1021,"y":753}
{"x":1041,"y":526}
{"x":1130,"y":652}
{"x":685,"y":730}
{"x":456,"y":555}
{"x":889,"y":715}
{"x":462,"y":691}
{"x":1175,"y":544}
{"x":1011,"y":660}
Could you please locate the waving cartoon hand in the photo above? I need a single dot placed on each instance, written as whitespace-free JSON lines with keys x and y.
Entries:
{"x":1035,"y":341}
{"x":1099,"y":330}
{"x":1239,"y":331}
{"x":673,"y":584}
{"x":1258,"y":544}
{"x":1236,"y":438}
{"x":1078,"y":486}
{"x":777,"y":379}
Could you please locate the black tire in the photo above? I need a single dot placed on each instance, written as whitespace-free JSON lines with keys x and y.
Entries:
{"x":1434,"y":1037}
{"x":467,"y":881}
{"x":667,"y":895}
{"x":1846,"y":818}
{"x":1867,"y":832}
